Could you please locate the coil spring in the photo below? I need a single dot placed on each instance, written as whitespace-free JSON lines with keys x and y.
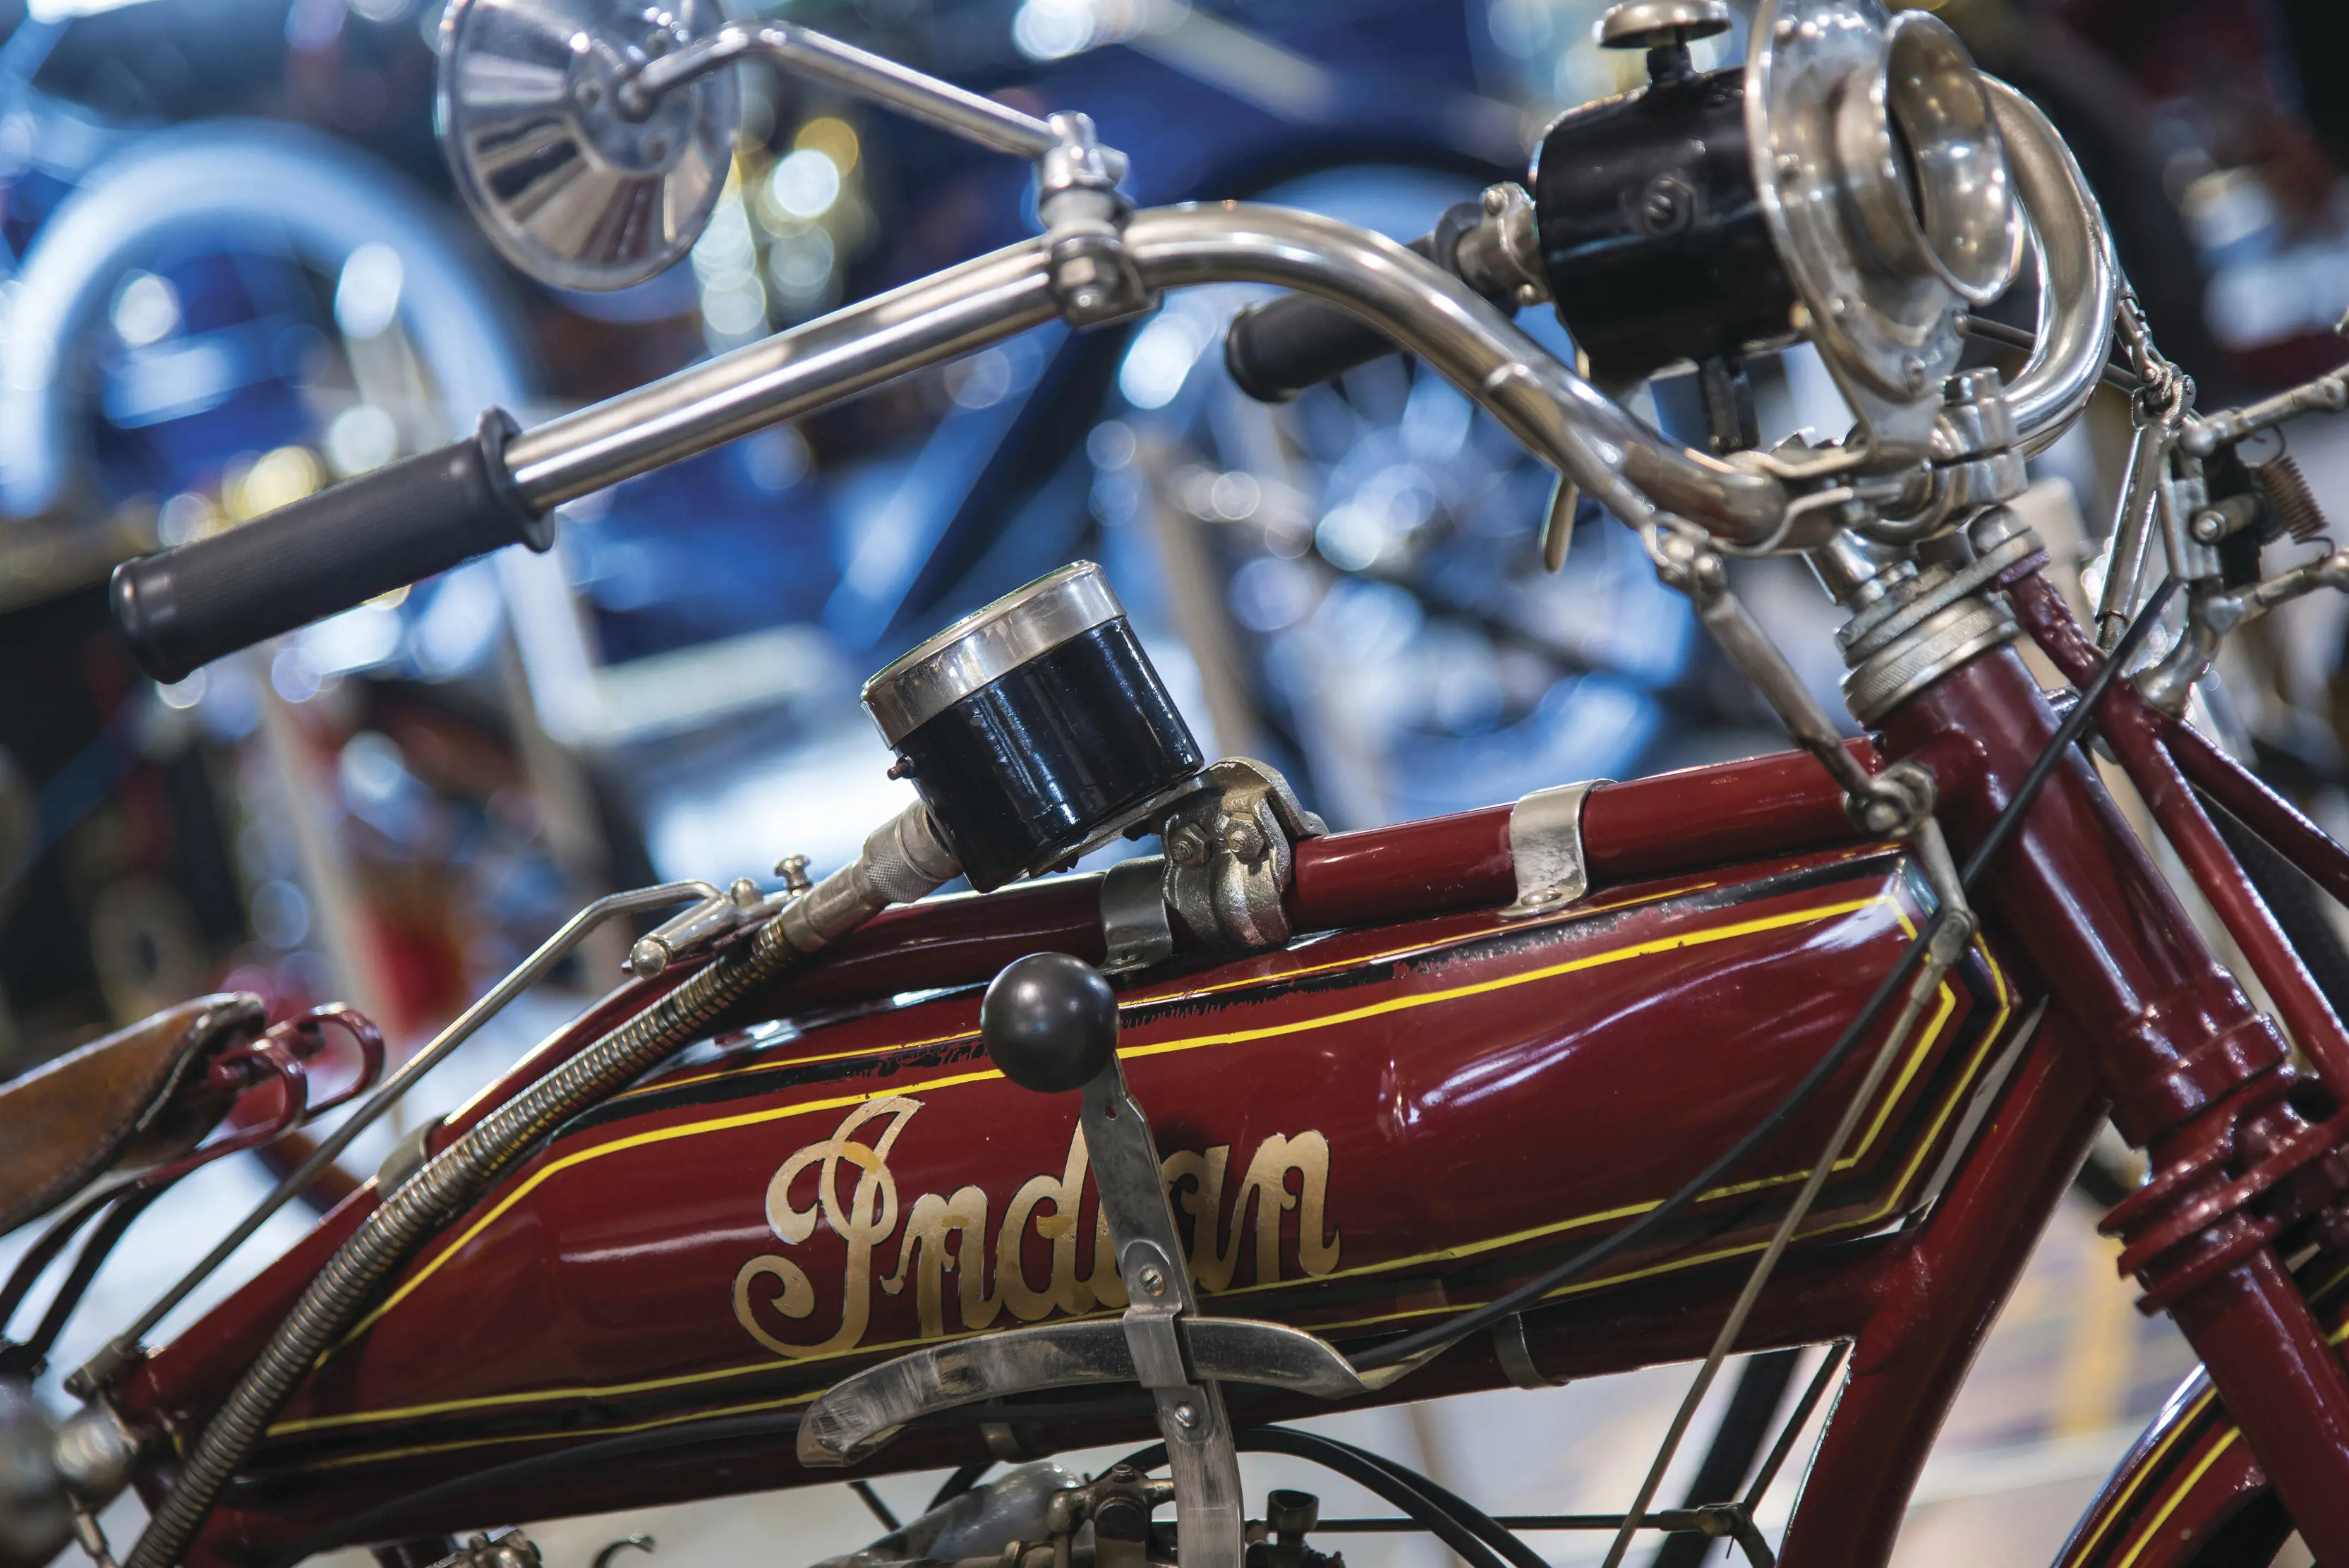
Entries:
{"x":2295,"y":504}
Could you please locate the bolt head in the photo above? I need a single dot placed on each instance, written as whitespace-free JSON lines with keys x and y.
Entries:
{"x":1154,"y":1281}
{"x":1186,"y":1416}
{"x":1496,"y":200}
{"x":1187,"y":845}
{"x":793,"y":869}
{"x":1244,"y":839}
{"x":648,"y":957}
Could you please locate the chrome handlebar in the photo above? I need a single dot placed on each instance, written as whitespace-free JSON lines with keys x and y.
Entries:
{"x":2079,"y":281}
{"x":1563,"y":418}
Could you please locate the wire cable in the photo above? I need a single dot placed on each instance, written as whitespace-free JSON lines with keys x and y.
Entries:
{"x":1427,"y":1341}
{"x":1427,"y":1505}
{"x":2118,"y":374}
{"x":964,"y":1478}
{"x":369,"y":1526}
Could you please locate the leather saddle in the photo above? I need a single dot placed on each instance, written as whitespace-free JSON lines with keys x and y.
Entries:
{"x":127,"y":1102}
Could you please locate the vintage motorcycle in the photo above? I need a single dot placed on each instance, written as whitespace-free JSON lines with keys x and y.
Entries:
{"x":848,"y":1176}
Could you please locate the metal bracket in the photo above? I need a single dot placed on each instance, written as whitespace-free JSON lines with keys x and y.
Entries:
{"x":1230,"y":851}
{"x":1546,"y":848}
{"x":858,"y":1416}
{"x":1135,"y":929}
{"x":1159,"y":1343}
{"x":1517,"y":1358}
{"x":719,"y":915}
{"x":1891,"y":802}
{"x":1094,"y":281}
{"x":1210,"y":1514}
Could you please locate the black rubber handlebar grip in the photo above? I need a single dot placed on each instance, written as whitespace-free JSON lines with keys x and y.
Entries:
{"x":1276,"y":349}
{"x":187,"y":606}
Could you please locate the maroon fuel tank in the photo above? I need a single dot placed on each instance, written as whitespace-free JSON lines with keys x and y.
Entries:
{"x":1362,"y":1132}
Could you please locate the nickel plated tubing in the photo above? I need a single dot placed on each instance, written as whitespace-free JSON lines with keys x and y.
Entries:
{"x":2079,"y":281}
{"x":966,"y":307}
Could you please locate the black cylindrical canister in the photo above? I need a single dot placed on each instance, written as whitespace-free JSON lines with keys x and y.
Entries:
{"x":1652,"y":238}
{"x":1034,"y":727}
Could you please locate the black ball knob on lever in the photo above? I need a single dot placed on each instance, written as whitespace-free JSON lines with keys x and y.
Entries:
{"x":1050,"y":1021}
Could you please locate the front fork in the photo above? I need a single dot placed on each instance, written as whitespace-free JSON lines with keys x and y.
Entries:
{"x":2194,"y":1075}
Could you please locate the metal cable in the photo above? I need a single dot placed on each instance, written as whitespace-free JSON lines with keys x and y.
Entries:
{"x":2118,"y":373}
{"x":1947,"y":936}
{"x":529,"y":973}
{"x":1427,"y":1341}
{"x":780,"y":1424}
{"x":1430,"y":1507}
{"x":1952,"y":918}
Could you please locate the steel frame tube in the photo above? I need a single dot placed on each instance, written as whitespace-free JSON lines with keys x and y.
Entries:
{"x":2136,"y":731}
{"x":2273,"y":818}
{"x":2134,"y":737}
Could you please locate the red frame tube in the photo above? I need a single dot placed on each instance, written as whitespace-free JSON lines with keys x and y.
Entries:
{"x":2141,"y":738}
{"x":2195,"y":1084}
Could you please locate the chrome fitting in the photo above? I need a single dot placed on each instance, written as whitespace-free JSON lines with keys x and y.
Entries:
{"x":1926,"y":626}
{"x":1230,"y":852}
{"x":905,"y":859}
{"x":1893,"y":804}
{"x":96,"y":1451}
{"x":1975,"y":460}
{"x":1094,"y":281}
{"x":506,"y":1549}
{"x":1500,"y":258}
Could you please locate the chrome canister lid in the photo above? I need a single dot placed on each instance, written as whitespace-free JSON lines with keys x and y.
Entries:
{"x":988,"y":644}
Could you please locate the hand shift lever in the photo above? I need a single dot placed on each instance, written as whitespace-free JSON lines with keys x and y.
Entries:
{"x":1050,"y":1021}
